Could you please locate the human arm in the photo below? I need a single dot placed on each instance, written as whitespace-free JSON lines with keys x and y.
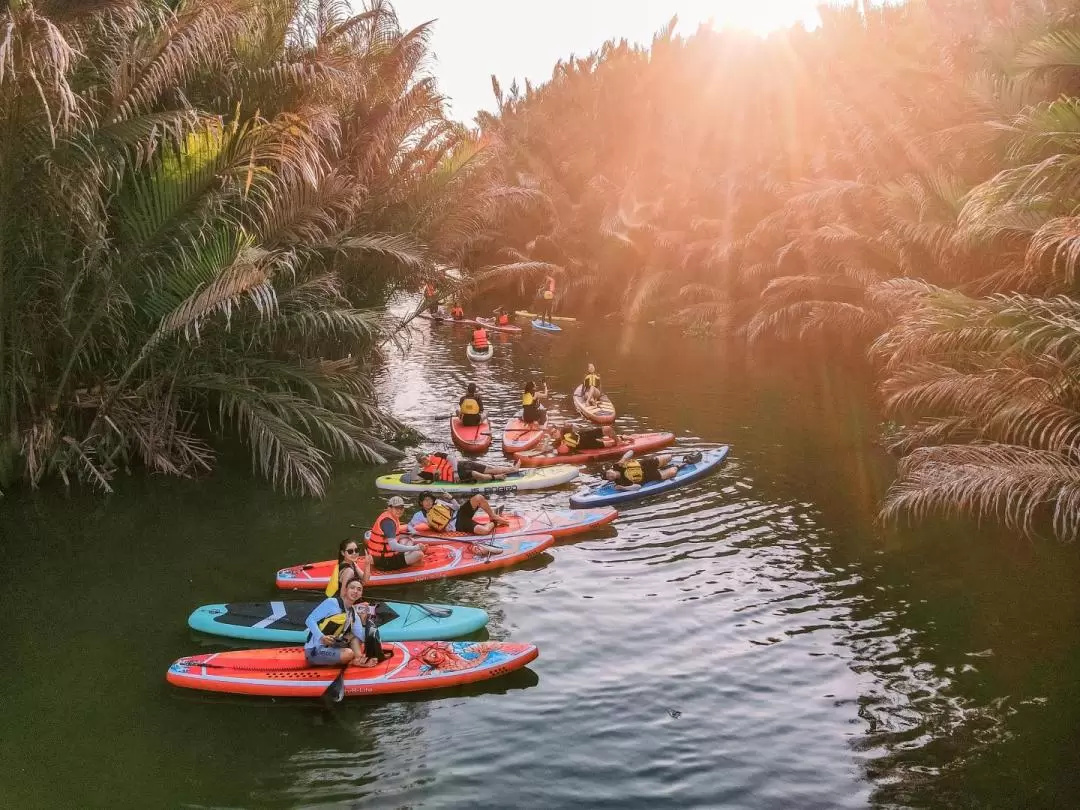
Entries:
{"x":389,"y":531}
{"x":328,"y":607}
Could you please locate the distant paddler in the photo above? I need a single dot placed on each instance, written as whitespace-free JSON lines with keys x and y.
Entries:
{"x":450,"y":468}
{"x":532,"y":411}
{"x":591,"y":391}
{"x":471,"y":407}
{"x":547,"y":298}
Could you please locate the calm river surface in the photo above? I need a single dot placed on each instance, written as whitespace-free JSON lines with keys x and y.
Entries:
{"x":751,"y":641}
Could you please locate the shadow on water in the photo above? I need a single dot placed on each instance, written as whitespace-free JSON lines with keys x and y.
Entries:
{"x":754,"y":640}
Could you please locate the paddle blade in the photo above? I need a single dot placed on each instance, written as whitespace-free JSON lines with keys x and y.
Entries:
{"x":336,"y":690}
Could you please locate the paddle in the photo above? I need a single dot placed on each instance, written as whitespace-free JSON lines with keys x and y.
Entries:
{"x":437,"y":613}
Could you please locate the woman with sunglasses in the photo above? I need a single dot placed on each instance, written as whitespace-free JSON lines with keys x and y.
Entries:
{"x":341,"y":631}
{"x":353,"y":562}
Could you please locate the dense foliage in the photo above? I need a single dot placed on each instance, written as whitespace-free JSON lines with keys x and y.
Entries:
{"x":902,"y":177}
{"x":202,"y":204}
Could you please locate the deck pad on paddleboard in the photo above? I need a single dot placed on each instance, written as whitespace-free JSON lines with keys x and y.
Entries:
{"x":608,"y":494}
{"x":520,"y":481}
{"x":282,"y":622}
{"x":556,"y":522}
{"x":471,"y":439}
{"x":412,"y":666}
{"x":442,"y":560}
{"x":545,"y":327}
{"x":518,"y":436}
{"x":489,"y":323}
{"x":532,"y":315}
{"x":639,"y":443}
{"x":447,"y":319}
{"x":603,"y":412}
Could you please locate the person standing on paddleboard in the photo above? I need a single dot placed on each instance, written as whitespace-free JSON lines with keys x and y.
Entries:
{"x":547,"y":298}
{"x":388,"y":552}
{"x":341,"y":631}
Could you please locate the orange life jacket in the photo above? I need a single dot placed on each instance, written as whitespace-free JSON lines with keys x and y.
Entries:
{"x":457,"y":313}
{"x":429,"y":291}
{"x":504,"y":319}
{"x":443,"y":469}
{"x":378,"y":543}
{"x":479,"y":339}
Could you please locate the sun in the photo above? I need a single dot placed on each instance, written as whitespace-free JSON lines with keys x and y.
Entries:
{"x":757,"y":16}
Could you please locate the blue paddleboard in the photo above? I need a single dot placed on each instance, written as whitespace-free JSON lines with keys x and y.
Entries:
{"x":282,"y":622}
{"x":545,"y":327}
{"x":608,"y":494}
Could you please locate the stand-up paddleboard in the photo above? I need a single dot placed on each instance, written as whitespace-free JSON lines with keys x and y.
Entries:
{"x":532,"y":315}
{"x":447,"y":319}
{"x":477,"y":355}
{"x":639,"y":443}
{"x":471,"y":439}
{"x":608,"y":494}
{"x":442,"y":560}
{"x":489,"y":323}
{"x":545,"y":327}
{"x":518,"y":436}
{"x":602,"y":413}
{"x":413,"y":666}
{"x":282,"y":622}
{"x":556,"y":522}
{"x":519,"y":481}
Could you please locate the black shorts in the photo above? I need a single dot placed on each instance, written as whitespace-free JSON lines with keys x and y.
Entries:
{"x":471,"y":419}
{"x":591,"y":439}
{"x":464,"y":519}
{"x":534,"y":413}
{"x":651,"y":468}
{"x":395,"y":562}
{"x":466,"y":468}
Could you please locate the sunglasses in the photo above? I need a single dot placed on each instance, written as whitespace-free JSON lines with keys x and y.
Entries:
{"x":352,"y":550}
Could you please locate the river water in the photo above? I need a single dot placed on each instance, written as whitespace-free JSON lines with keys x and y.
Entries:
{"x":751,"y":641}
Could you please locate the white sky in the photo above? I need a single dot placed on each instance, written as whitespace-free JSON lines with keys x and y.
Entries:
{"x":516,"y":39}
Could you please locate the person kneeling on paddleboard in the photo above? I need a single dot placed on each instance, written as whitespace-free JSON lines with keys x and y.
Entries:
{"x":629,"y":473}
{"x":388,"y":552}
{"x":342,"y":631}
{"x":457,"y":313}
{"x":471,"y":407}
{"x":448,"y":468}
{"x":531,"y":409}
{"x":480,"y":339}
{"x":502,"y":318}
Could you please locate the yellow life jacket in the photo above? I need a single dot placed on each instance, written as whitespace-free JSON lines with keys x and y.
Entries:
{"x":549,"y":294}
{"x":439,"y":516}
{"x":470,"y":406}
{"x":337,"y":624}
{"x":334,"y":585}
{"x":570,"y":439}
{"x":633,"y":472}
{"x":592,"y":381}
{"x":527,"y":399}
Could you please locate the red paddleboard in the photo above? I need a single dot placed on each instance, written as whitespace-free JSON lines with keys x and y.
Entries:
{"x":639,"y":443}
{"x":489,"y":323}
{"x":413,"y":666}
{"x":442,"y":560}
{"x":556,"y":522}
{"x":471,"y":439}
{"x":518,"y":436}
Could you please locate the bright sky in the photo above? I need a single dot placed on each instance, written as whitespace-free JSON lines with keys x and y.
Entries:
{"x":524,"y":38}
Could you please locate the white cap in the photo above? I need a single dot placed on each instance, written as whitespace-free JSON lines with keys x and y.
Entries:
{"x":396,"y":500}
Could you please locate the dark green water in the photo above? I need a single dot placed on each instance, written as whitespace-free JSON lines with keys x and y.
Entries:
{"x":754,"y":642}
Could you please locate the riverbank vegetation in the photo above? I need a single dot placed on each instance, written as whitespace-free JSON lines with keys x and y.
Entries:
{"x":203,"y":204}
{"x":899,"y":182}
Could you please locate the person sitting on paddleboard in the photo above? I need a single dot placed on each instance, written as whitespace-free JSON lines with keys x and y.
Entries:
{"x":388,"y":552}
{"x":531,"y":409}
{"x":443,"y":514}
{"x":353,"y":562}
{"x":502,"y":318}
{"x":457,"y":313}
{"x":590,"y":386}
{"x":480,"y":339}
{"x":547,"y":296}
{"x":342,"y":631}
{"x":471,"y":407}
{"x":630,"y":473}
{"x":450,"y":468}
